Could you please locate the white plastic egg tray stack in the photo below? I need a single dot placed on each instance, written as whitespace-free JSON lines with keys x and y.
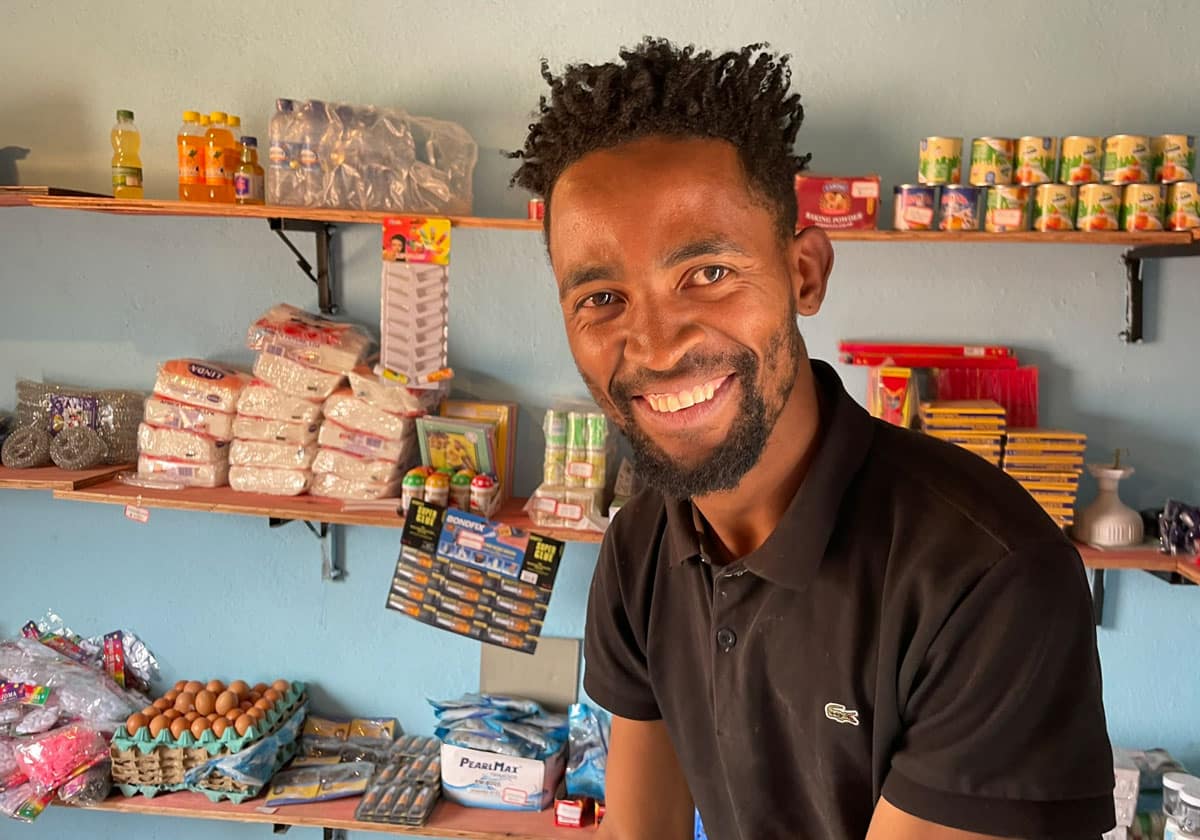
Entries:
{"x":413,"y":320}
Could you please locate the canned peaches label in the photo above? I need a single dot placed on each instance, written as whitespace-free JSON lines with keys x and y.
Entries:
{"x":1054,"y":207}
{"x":1126,"y":159}
{"x":1035,"y":160}
{"x":991,"y":161}
{"x":1173,"y":157}
{"x":940,"y":161}
{"x":1144,"y":206}
{"x":1098,"y":207}
{"x":1183,"y":206}
{"x":1080,"y":162}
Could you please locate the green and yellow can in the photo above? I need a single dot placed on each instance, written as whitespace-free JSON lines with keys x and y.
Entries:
{"x":1144,"y":207}
{"x":1007,"y":209}
{"x":1183,"y":206}
{"x":991,"y":161}
{"x":1173,"y":157}
{"x":1054,"y":207}
{"x":1080,"y":161}
{"x":1127,"y":159}
{"x":1036,"y":160}
{"x":1098,"y":207}
{"x":940,"y":161}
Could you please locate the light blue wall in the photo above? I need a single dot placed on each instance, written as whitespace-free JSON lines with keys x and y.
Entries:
{"x":95,"y":299}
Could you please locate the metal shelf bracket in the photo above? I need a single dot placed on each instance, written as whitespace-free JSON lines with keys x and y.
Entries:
{"x":1135,"y":283}
{"x":330,"y":538}
{"x":324,"y":236}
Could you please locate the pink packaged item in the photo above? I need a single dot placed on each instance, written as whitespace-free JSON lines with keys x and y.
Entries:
{"x":355,"y":467}
{"x":357,"y":414}
{"x":201,"y":383}
{"x":278,"y":431}
{"x":337,"y":436}
{"x":180,"y":445}
{"x":262,"y":400}
{"x":295,"y":377}
{"x":336,"y":487}
{"x":169,"y":414}
{"x":309,"y":339}
{"x":269,"y":480}
{"x":188,"y":474}
{"x":259,"y":453}
{"x":51,"y":758}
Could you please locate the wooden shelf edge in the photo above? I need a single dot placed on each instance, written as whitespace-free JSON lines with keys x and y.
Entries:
{"x":53,"y":478}
{"x":1188,"y":570}
{"x":1146,"y":557}
{"x":448,"y":820}
{"x":225,"y":500}
{"x":1170,"y":237}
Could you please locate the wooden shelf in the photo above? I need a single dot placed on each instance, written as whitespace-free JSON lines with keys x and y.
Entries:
{"x":309,"y":508}
{"x":1188,"y":570}
{"x":448,"y":820}
{"x":1146,"y":557}
{"x":54,"y":198}
{"x":52,"y":478}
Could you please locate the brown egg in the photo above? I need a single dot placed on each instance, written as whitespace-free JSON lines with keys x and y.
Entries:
{"x":260,"y":687}
{"x":282,"y":686}
{"x":199,"y":727}
{"x":271,"y":696}
{"x":185,"y":701}
{"x":179,"y":726}
{"x":150,"y":712}
{"x":246,"y":705}
{"x":193,"y":686}
{"x":158,"y":725}
{"x":136,"y":722}
{"x":263,"y":705}
{"x":215,"y":686}
{"x":239,"y":688}
{"x":179,"y":685}
{"x":226,"y":700}
{"x":255,"y":696}
{"x":172,"y":714}
{"x":206,"y":702}
{"x":219,"y":726}
{"x":256,"y":715}
{"x":233,"y":714}
{"x":171,"y":695}
{"x":162,"y":704}
{"x":191,"y":716}
{"x":213,"y":718}
{"x":242,"y":724}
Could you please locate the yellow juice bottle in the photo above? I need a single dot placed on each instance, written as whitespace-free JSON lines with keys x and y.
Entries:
{"x":190,"y":143}
{"x":248,"y":180}
{"x":218,"y":167}
{"x":126,"y":159}
{"x":235,"y":128}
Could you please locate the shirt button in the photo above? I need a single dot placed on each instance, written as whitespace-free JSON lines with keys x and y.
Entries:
{"x":726,"y":639}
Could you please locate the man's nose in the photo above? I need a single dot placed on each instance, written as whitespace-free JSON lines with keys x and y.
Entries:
{"x":660,"y":336}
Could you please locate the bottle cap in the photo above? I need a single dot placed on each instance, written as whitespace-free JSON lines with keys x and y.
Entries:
{"x":217,"y":117}
{"x":191,"y":116}
{"x":204,"y":119}
{"x":234,"y":121}
{"x":125,"y":115}
{"x":251,"y":142}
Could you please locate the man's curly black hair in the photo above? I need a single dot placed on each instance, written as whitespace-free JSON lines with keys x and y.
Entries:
{"x":657,"y":88}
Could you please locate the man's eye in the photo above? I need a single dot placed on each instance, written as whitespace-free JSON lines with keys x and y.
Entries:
{"x":709,"y":274}
{"x":599,"y":299}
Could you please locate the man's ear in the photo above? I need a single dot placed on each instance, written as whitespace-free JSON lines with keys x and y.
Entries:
{"x":810,"y":259}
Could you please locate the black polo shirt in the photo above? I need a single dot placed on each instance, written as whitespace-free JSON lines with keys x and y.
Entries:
{"x":915,"y":628}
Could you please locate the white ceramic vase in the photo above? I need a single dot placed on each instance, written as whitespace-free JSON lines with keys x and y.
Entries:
{"x":1108,"y":522}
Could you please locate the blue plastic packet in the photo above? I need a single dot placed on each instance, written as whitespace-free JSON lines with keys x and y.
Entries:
{"x":513,"y":704}
{"x":466,"y":713}
{"x":541,"y":740}
{"x":588,"y":756}
{"x":467,"y":700}
{"x":490,"y":742}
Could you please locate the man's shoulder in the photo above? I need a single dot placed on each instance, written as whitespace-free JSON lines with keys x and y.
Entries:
{"x":639,"y":524}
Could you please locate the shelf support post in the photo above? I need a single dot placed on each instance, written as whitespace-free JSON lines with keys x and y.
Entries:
{"x":334,"y":834}
{"x":330,"y":538}
{"x":1134,"y":286}
{"x":323,"y":279}
{"x":1098,"y":596}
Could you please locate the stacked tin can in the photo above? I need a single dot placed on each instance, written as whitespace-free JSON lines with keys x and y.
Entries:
{"x":1130,"y":182}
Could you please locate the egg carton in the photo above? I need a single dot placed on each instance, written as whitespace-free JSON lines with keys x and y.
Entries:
{"x":149,"y":765}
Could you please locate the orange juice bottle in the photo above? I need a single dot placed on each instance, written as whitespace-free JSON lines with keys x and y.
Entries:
{"x":126,"y":159}
{"x":190,"y":142}
{"x":235,"y":128}
{"x":218,"y":170}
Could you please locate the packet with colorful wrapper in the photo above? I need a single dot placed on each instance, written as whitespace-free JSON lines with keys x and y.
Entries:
{"x":406,"y":786}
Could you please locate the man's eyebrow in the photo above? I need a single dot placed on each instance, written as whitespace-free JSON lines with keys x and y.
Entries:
{"x":586,"y":274}
{"x":707,"y":247}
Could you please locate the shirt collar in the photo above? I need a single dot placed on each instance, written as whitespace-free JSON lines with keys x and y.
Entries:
{"x":793,"y":551}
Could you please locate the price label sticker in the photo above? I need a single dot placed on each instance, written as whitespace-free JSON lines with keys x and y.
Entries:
{"x":137,"y":513}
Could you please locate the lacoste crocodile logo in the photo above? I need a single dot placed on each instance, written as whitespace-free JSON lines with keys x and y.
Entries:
{"x":838,"y":713}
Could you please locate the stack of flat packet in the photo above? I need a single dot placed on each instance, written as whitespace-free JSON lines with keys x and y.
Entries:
{"x":1047,"y":463}
{"x":302,"y":359}
{"x":974,"y":425}
{"x":367,"y":440}
{"x":188,"y":423}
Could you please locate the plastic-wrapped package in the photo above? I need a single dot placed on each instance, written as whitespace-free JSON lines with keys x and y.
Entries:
{"x":186,"y":473}
{"x":392,"y":396}
{"x":318,"y":342}
{"x":277,"y":431}
{"x":258,"y":453}
{"x":82,"y":692}
{"x":337,"y":436}
{"x":114,"y":414}
{"x":271,"y":481}
{"x":357,"y":414}
{"x":295,"y":378}
{"x":327,"y":154}
{"x":180,"y":445}
{"x":89,"y":788}
{"x":14,"y":798}
{"x":336,"y":487}
{"x":39,"y":718}
{"x":253,"y":766}
{"x":26,"y":448}
{"x":78,"y":448}
{"x":169,"y":414}
{"x":355,"y":467}
{"x":201,"y":383}
{"x":53,"y":757}
{"x":588,"y":754}
{"x":263,"y":400}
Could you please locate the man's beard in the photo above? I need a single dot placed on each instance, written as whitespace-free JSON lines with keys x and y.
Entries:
{"x":723,"y":469}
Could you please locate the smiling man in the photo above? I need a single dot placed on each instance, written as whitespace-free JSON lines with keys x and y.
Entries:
{"x":812,"y":624}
